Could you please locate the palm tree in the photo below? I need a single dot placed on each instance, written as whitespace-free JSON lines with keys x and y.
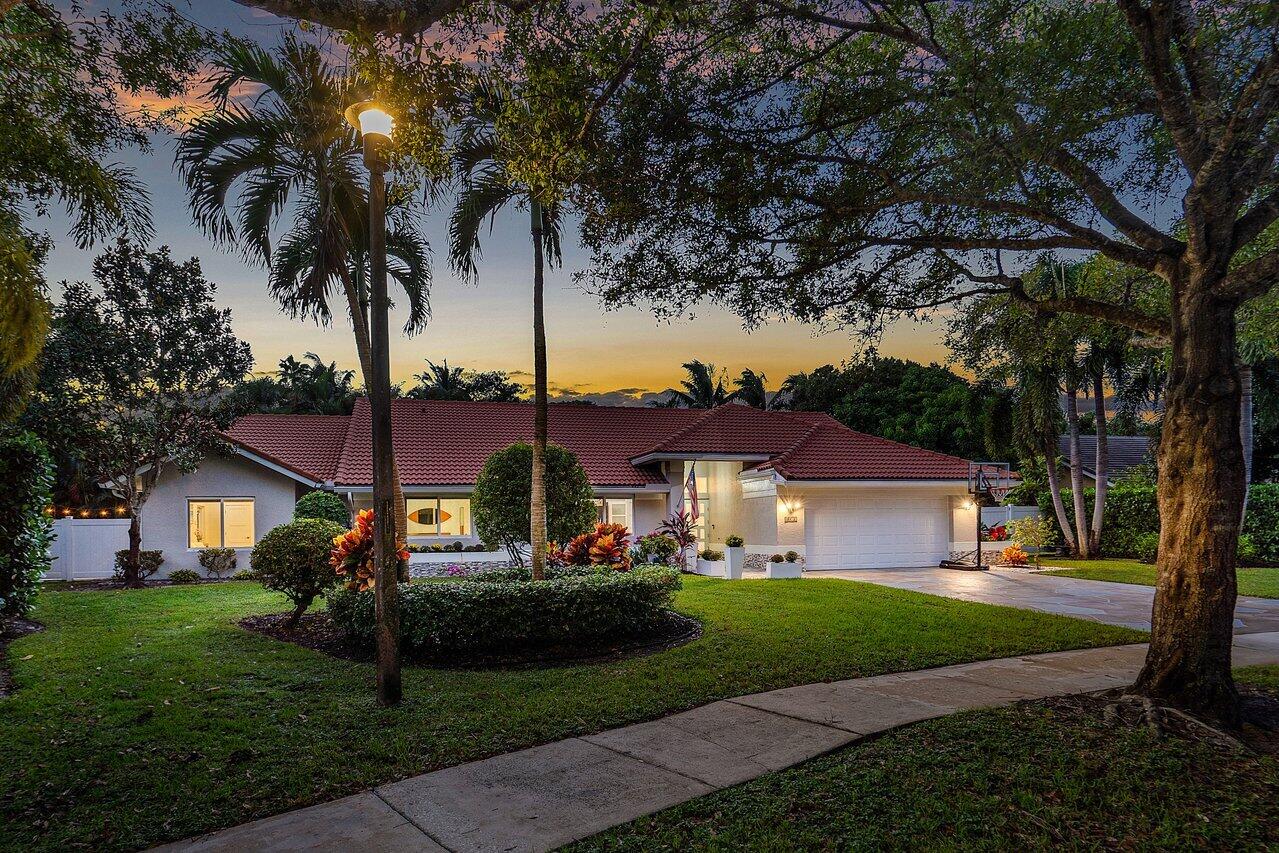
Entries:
{"x":1036,"y":425}
{"x":750,"y":389}
{"x":290,"y":145}
{"x":703,"y":389}
{"x":441,"y":382}
{"x":483,"y":158}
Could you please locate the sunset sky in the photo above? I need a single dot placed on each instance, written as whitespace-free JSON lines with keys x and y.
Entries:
{"x":485,"y":326}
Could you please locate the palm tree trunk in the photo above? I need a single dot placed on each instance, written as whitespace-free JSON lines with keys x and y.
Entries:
{"x":364,"y":350}
{"x":1076,"y":472}
{"x":1054,"y":484}
{"x":537,"y":494}
{"x":1103,"y":464}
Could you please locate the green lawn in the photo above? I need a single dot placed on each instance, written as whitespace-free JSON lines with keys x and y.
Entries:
{"x":1262,"y":583}
{"x":1034,"y":776}
{"x":148,"y":715}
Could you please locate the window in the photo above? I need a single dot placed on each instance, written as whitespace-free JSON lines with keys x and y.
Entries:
{"x":220,"y":523}
{"x":614,"y":511}
{"x":439,"y":516}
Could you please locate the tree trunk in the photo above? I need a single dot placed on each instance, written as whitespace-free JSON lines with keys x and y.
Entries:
{"x":1201,"y":493}
{"x":537,"y":494}
{"x":1076,"y":472}
{"x":364,"y":350}
{"x":1054,"y":484}
{"x":1102,"y":468}
{"x":292,"y":622}
{"x":133,"y":565}
{"x":1245,"y":431}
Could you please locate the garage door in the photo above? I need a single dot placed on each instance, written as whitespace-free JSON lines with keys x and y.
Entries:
{"x":876,"y":530}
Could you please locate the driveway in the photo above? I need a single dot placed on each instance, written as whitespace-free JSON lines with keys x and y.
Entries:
{"x":1100,"y":601}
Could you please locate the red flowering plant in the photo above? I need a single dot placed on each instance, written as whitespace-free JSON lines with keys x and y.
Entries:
{"x":608,"y":546}
{"x":352,"y":554}
{"x":998,"y":533}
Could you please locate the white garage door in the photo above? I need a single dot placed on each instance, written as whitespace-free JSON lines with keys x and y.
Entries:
{"x":876,"y":530}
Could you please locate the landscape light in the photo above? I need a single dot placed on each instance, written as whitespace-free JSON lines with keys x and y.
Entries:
{"x":370,"y":119}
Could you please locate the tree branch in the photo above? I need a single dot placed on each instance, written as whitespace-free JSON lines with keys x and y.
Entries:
{"x":1252,"y":279}
{"x":394,"y":17}
{"x":1258,"y":218}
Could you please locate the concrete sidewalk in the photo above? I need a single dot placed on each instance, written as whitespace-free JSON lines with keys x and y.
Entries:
{"x":540,"y":798}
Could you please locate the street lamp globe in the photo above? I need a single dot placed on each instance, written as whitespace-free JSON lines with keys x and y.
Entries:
{"x":370,"y":119}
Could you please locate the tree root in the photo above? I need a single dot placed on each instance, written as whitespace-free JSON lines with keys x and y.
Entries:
{"x":1158,"y":718}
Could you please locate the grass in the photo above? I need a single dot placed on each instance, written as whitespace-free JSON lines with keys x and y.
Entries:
{"x":1260,"y":583}
{"x":1045,"y":775}
{"x":144,"y":716}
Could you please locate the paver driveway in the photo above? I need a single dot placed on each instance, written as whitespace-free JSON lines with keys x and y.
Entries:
{"x":1100,"y":601}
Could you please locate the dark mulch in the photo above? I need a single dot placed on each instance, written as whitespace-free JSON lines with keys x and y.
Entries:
{"x":317,"y":631}
{"x":11,"y":629}
{"x":109,"y":584}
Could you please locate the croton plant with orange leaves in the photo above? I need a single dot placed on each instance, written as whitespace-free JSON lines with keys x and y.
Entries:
{"x":607,"y":546}
{"x":352,"y":554}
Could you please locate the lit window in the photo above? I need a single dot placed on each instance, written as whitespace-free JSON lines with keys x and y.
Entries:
{"x":220,"y":523}
{"x":438,"y":516}
{"x":614,"y":511}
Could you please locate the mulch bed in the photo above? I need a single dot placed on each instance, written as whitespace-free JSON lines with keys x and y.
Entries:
{"x":12,"y":629}
{"x":316,"y":631}
{"x":110,"y":584}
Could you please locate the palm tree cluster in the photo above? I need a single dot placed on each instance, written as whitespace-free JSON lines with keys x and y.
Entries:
{"x":308,"y":387}
{"x":703,"y":387}
{"x":443,"y":382}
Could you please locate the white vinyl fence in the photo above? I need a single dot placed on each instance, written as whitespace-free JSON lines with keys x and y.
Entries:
{"x":85,"y":547}
{"x":993,"y":516}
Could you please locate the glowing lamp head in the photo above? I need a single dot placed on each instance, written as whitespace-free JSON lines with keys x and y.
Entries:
{"x":370,"y":119}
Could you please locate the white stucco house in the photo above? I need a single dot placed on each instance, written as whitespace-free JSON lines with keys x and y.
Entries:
{"x":781,"y":480}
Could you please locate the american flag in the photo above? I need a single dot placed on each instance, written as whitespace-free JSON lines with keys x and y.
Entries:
{"x":690,"y":488}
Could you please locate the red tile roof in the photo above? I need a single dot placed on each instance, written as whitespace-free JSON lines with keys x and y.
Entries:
{"x":446,"y":443}
{"x":310,"y":445}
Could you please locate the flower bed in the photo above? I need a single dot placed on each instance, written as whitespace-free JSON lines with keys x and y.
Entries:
{"x":502,"y":611}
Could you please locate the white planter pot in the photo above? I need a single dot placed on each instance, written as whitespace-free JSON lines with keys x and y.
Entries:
{"x":779,"y":571}
{"x":710,"y":568}
{"x":734,"y":563}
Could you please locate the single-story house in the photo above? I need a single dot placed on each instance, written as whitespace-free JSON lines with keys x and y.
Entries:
{"x":1123,"y":453}
{"x":781,"y":480}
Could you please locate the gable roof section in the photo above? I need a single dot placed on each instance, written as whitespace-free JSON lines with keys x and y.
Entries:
{"x":1122,"y":452}
{"x":441,"y":442}
{"x":310,"y":445}
{"x":445,"y":443}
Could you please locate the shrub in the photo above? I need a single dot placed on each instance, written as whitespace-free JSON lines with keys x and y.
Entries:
{"x":216,"y":560}
{"x":478,"y":548}
{"x":1248,"y":553}
{"x":608,"y":546}
{"x":734,"y":541}
{"x":149,"y":562}
{"x":25,"y":531}
{"x":489,"y":612}
{"x":1036,"y":531}
{"x":294,"y":559}
{"x":792,"y":556}
{"x":1131,"y":511}
{"x":1261,"y":525}
{"x":679,"y":526}
{"x":1013,"y":556}
{"x":655,"y":548}
{"x":184,"y":576}
{"x":322,"y":504}
{"x":500,"y":502}
{"x":711,"y":556}
{"x":245,"y":575}
{"x":1146,"y":548}
{"x":776,"y":558}
{"x":352,"y":553}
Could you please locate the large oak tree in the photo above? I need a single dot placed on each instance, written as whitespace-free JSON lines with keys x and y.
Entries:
{"x":853,"y":160}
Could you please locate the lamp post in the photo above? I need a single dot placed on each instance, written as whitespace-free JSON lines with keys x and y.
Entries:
{"x":375,"y":126}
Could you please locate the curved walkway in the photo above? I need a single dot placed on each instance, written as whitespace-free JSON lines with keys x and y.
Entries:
{"x":1101,"y":601}
{"x":537,"y":799}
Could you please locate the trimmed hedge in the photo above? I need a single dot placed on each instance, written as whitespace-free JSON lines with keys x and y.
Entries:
{"x":490,"y":611}
{"x":25,"y":530}
{"x":1131,"y":519}
{"x":324,"y":505}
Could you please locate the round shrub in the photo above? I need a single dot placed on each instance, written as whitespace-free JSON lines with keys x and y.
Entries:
{"x":491,"y":612}
{"x":711,"y":556}
{"x":184,"y":576}
{"x":25,"y":531}
{"x":322,"y":504}
{"x":294,"y":559}
{"x":216,"y":560}
{"x":734,"y":541}
{"x":776,"y":558}
{"x":245,"y":575}
{"x":500,"y":502}
{"x":149,"y":562}
{"x":792,"y":556}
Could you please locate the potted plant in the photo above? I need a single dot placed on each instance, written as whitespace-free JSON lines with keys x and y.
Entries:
{"x":734,"y":557}
{"x":711,"y":563}
{"x":780,"y":567}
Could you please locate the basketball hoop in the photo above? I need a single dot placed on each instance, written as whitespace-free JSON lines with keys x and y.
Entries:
{"x":988,"y":483}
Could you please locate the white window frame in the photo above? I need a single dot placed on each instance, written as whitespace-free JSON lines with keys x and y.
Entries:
{"x":470,"y":522}
{"x":604,"y":511}
{"x":221,"y":501}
